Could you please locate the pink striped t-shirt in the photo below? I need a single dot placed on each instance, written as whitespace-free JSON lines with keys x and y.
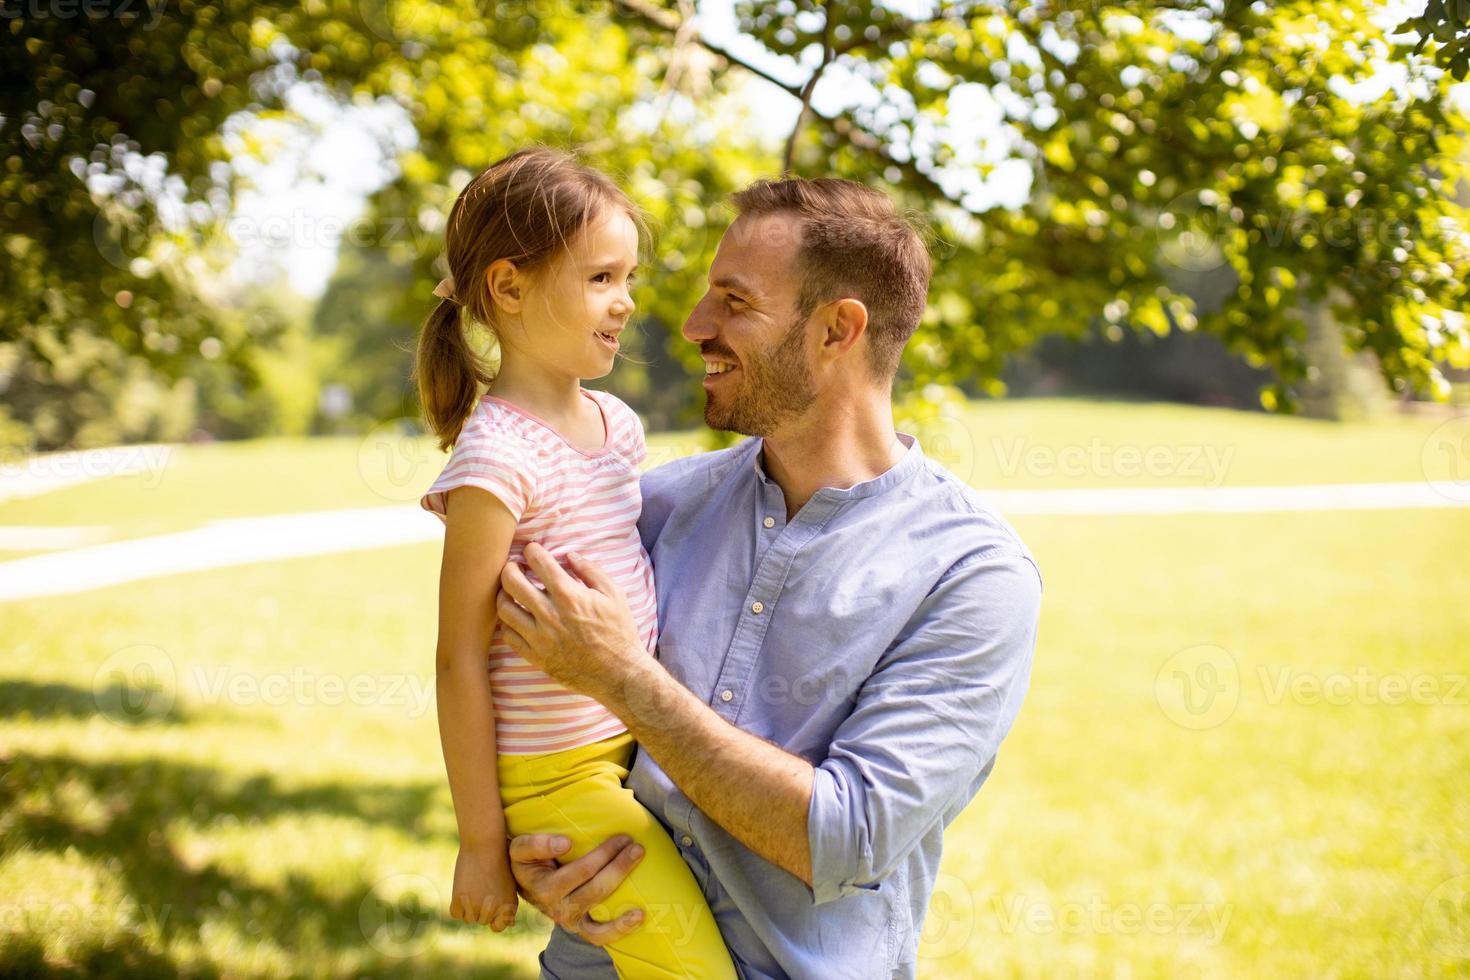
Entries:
{"x":567,"y":499}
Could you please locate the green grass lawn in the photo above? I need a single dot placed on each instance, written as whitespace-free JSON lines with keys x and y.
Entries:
{"x":1010,"y":444}
{"x":1216,"y":773}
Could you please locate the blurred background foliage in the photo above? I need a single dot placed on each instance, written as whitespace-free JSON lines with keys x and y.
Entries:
{"x":1254,"y":204}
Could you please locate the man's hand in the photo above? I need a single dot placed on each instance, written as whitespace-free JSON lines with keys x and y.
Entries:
{"x":582,"y":635}
{"x":565,"y":893}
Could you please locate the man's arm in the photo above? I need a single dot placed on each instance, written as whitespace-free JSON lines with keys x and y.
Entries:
{"x":927,"y":725}
{"x":584,"y":638}
{"x":760,"y":793}
{"x":925,"y":730}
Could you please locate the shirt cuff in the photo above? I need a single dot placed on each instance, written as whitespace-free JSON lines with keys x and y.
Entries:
{"x":837,"y":835}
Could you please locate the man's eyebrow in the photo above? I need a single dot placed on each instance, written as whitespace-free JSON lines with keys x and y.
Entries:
{"x":732,"y":282}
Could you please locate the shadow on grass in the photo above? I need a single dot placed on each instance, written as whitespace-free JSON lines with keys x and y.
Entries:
{"x":178,"y":896}
{"x":123,"y":705}
{"x":25,"y":956}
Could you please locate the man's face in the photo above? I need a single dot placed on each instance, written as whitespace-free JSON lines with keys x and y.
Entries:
{"x":757,"y":366}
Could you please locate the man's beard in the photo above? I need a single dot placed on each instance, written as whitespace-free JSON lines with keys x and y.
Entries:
{"x":776,"y":385}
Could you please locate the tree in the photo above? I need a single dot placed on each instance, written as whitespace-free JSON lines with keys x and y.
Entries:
{"x":110,"y":136}
{"x":116,"y":183}
{"x":1153,"y":135}
{"x":575,"y":78}
{"x":1446,"y":22}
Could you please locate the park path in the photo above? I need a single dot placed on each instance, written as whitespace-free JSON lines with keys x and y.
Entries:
{"x":238,"y":541}
{"x":1233,"y":500}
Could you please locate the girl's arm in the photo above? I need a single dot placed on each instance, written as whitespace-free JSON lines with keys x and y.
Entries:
{"x":477,"y":538}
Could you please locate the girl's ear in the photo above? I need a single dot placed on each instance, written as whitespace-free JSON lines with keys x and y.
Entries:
{"x":505,"y":283}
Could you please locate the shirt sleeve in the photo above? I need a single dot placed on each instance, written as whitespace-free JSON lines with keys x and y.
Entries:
{"x":927,"y":725}
{"x":635,"y":450}
{"x":494,"y":460}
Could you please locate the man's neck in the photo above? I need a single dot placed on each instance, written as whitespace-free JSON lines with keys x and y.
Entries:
{"x":832,"y":447}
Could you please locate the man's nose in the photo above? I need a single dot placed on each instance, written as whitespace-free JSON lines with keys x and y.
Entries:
{"x":699,"y":326}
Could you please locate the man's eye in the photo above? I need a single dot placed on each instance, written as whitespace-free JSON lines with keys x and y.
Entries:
{"x":735,"y":299}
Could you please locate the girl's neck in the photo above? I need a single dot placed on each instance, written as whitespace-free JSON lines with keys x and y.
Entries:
{"x":554,"y":397}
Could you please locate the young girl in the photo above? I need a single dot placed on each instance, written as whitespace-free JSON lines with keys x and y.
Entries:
{"x":542,"y":251}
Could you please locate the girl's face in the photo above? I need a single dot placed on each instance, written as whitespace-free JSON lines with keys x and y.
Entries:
{"x":577,"y":306}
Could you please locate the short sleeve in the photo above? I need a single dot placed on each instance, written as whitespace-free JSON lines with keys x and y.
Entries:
{"x":637,"y":448}
{"x":630,"y":443}
{"x":495,"y":460}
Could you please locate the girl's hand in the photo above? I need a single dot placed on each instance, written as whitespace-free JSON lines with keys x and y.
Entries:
{"x":484,"y":889}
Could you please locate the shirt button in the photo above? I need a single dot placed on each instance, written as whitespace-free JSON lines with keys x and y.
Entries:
{"x":726,"y":694}
{"x":686,"y":840}
{"x":769,"y":522}
{"x":757,"y":608}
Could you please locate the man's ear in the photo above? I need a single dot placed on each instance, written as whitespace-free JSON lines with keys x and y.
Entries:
{"x":506,"y":284}
{"x":846,"y":320}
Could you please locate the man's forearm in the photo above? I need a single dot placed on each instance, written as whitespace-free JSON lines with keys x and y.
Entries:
{"x":757,"y":791}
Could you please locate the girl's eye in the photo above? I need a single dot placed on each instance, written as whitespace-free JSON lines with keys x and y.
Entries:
{"x":599,"y":277}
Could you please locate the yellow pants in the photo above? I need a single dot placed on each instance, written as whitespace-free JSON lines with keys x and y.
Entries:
{"x":579,"y":793}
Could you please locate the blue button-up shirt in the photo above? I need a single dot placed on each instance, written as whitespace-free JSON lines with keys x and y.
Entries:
{"x":884,"y":634}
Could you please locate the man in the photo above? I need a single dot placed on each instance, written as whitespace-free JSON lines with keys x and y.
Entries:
{"x":846,"y":629}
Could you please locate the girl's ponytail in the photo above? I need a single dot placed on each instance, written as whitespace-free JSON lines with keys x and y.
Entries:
{"x":448,"y":371}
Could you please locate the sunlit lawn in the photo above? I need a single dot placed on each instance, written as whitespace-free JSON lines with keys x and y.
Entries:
{"x":284,"y":811}
{"x":1013,"y":444}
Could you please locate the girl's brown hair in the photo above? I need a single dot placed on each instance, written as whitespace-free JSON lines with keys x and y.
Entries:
{"x":525,"y":207}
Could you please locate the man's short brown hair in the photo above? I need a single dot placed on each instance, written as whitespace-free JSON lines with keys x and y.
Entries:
{"x":854,"y":243}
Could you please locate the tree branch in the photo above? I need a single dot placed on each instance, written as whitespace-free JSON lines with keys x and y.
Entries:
{"x":809,"y":88}
{"x":666,"y":20}
{"x":841,"y":124}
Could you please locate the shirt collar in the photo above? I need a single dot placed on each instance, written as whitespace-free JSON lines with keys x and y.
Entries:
{"x":907,"y":465}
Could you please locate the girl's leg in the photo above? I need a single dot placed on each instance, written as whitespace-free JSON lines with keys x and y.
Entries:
{"x":586,"y":801}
